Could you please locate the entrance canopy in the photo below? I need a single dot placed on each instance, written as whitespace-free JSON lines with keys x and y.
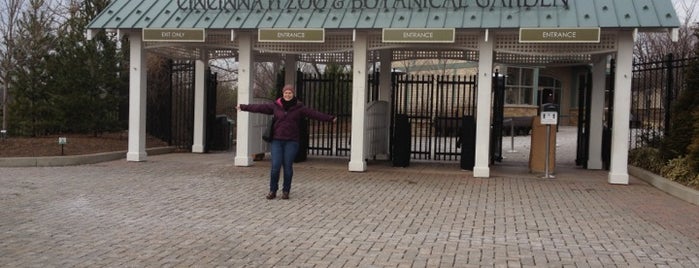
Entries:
{"x":376,"y":14}
{"x":534,"y":32}
{"x":216,"y":22}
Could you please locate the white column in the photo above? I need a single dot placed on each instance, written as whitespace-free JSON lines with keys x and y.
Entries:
{"x":199,"y":138}
{"x":599,"y":80}
{"x":243,"y":156}
{"x":618,"y":171}
{"x":359,"y":86}
{"x":290,"y":69}
{"x":483,"y":100}
{"x":137,"y":99}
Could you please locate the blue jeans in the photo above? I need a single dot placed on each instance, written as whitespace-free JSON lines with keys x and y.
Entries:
{"x":283,"y":154}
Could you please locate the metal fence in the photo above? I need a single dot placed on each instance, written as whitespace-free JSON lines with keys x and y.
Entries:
{"x":655,"y":87}
{"x":435,"y":106}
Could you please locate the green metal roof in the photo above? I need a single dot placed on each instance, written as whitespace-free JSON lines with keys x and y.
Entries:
{"x":470,"y":14}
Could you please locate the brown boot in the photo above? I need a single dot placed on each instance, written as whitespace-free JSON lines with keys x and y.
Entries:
{"x":285,"y":195}
{"x":271,"y":195}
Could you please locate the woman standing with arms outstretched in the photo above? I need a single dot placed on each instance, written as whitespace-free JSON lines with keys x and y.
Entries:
{"x":288,"y":112}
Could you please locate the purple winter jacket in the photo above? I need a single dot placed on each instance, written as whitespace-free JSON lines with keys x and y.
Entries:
{"x":286,"y":126}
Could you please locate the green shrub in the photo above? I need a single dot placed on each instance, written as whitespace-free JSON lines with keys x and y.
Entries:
{"x":650,"y":137}
{"x":694,"y":182}
{"x":679,"y":170}
{"x":693,"y":148}
{"x":646,"y":158}
{"x":684,"y":111}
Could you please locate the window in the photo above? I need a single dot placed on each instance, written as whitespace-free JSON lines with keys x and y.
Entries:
{"x":519,"y":85}
{"x":549,"y":90}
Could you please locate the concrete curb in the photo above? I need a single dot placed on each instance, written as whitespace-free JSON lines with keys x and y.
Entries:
{"x":672,"y":188}
{"x":73,"y":160}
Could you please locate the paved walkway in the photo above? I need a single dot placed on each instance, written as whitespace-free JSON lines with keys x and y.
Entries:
{"x":198,"y":210}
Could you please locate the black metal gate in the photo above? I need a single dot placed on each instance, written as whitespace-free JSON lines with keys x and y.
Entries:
{"x":183,"y":104}
{"x":498,"y":118}
{"x":584,"y":105}
{"x":434,"y":106}
{"x":456,"y":98}
{"x":214,"y":135}
{"x":159,"y":100}
{"x":170,"y":104}
{"x":332,"y":94}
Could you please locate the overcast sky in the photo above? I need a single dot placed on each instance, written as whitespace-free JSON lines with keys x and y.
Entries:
{"x":681,"y":7}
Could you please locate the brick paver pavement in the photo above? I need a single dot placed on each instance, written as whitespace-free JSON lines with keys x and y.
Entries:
{"x":198,"y":210}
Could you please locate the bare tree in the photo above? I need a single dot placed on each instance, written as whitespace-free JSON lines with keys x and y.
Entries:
{"x":10,"y":11}
{"x":654,"y":46}
{"x":266,"y":79}
{"x":227,"y":70}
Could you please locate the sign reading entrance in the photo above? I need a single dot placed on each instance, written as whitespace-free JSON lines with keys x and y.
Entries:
{"x":418,"y":35}
{"x":292,"y":35}
{"x":559,"y":35}
{"x":174,"y":35}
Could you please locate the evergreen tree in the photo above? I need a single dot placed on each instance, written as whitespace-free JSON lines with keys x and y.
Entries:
{"x":31,"y":110}
{"x":693,"y":85}
{"x":88,"y":75}
{"x":685,"y":112}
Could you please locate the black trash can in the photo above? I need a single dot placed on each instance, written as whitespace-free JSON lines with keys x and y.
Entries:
{"x":221,"y":134}
{"x":606,"y":147}
{"x":400,"y":155}
{"x":468,"y":143}
{"x":302,"y":154}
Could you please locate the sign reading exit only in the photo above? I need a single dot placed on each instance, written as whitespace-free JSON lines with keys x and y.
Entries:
{"x":174,"y":35}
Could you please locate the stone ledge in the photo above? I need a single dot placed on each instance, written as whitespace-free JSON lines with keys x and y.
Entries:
{"x":672,"y":188}
{"x":73,"y":160}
